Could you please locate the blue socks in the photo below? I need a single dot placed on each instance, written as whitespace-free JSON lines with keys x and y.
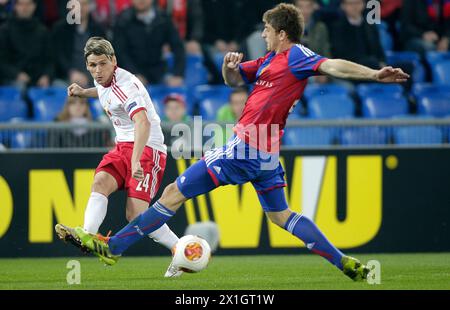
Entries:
{"x":149,"y":221}
{"x":304,"y":229}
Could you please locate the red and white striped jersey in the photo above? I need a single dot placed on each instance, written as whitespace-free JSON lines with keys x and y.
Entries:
{"x":123,"y":98}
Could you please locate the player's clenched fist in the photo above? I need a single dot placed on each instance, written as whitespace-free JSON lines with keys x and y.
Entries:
{"x":232,"y":60}
{"x":75,"y":90}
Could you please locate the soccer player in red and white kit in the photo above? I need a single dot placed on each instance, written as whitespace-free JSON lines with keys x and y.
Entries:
{"x":138,"y":161}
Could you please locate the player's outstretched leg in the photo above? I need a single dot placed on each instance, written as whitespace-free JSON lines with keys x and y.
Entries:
{"x":305,"y":229}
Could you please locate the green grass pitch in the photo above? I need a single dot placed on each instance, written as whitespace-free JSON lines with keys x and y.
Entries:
{"x":398,"y":271}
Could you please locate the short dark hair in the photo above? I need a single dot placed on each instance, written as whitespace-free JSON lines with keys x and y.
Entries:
{"x":286,"y":17}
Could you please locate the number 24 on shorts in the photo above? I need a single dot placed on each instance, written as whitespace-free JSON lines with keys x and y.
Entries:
{"x":143,"y":183}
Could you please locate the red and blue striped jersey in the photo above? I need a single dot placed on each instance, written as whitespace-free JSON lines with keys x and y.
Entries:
{"x":279,"y":80}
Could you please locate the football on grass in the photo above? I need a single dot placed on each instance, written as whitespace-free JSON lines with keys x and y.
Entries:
{"x":192,"y":254}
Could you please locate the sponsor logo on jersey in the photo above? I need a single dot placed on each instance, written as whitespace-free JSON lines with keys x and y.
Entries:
{"x":264,"y":83}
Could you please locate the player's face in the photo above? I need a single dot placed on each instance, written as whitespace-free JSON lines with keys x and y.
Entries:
{"x":101,"y":68}
{"x":271,"y":37}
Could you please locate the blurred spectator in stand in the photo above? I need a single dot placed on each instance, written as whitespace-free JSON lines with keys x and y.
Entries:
{"x":106,"y":11}
{"x":221,"y":24}
{"x":354,"y":39}
{"x":390,"y":14}
{"x":425,"y":25}
{"x":231,"y":112}
{"x":187,"y":16}
{"x":51,"y":11}
{"x":75,"y":111}
{"x":5,"y":10}
{"x":140,"y":34}
{"x":69,"y":41}
{"x":329,"y":11}
{"x":175,"y":112}
{"x":175,"y":109}
{"x":25,"y":52}
{"x":315,"y":35}
{"x":254,"y":46}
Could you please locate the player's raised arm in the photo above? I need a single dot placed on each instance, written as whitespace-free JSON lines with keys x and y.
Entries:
{"x":76,"y":90}
{"x":230,"y":69}
{"x":344,"y":69}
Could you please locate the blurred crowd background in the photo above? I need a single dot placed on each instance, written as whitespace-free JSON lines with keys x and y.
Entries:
{"x":176,"y":47}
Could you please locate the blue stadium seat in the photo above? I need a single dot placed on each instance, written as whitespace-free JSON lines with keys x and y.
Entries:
{"x":434,"y":57}
{"x":364,"y":136}
{"x":418,"y":135}
{"x":433,"y":105}
{"x":159,"y":92}
{"x":10,"y":109}
{"x":218,"y":60}
{"x":384,"y":107}
{"x":196,"y":73}
{"x":217,"y":92}
{"x":385,"y":37}
{"x":211,"y":98}
{"x":427,"y":89}
{"x":47,"y":102}
{"x":308,"y":136}
{"x":376,"y":89}
{"x":11,"y":105}
{"x":397,"y":58}
{"x":313,"y":90}
{"x":210,"y":106}
{"x":331,"y":107}
{"x":441,"y":73}
{"x":9,"y":93}
{"x":96,"y":108}
{"x":170,"y":61}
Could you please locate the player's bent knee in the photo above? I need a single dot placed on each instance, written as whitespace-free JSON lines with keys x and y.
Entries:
{"x":102,"y":185}
{"x":131,"y":214}
{"x":172,"y":198}
{"x":279,"y":218}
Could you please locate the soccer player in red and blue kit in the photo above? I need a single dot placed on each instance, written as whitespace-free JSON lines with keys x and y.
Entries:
{"x":279,"y":80}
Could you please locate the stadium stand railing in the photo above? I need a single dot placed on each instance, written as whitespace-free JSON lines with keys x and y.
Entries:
{"x":304,"y":133}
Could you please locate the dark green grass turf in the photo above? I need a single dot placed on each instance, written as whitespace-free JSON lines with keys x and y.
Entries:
{"x":399,"y":271}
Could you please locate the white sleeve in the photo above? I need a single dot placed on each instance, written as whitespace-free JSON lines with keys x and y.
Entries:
{"x":134,"y":104}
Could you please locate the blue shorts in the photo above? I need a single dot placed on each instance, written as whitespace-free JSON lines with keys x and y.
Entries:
{"x":237,"y":163}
